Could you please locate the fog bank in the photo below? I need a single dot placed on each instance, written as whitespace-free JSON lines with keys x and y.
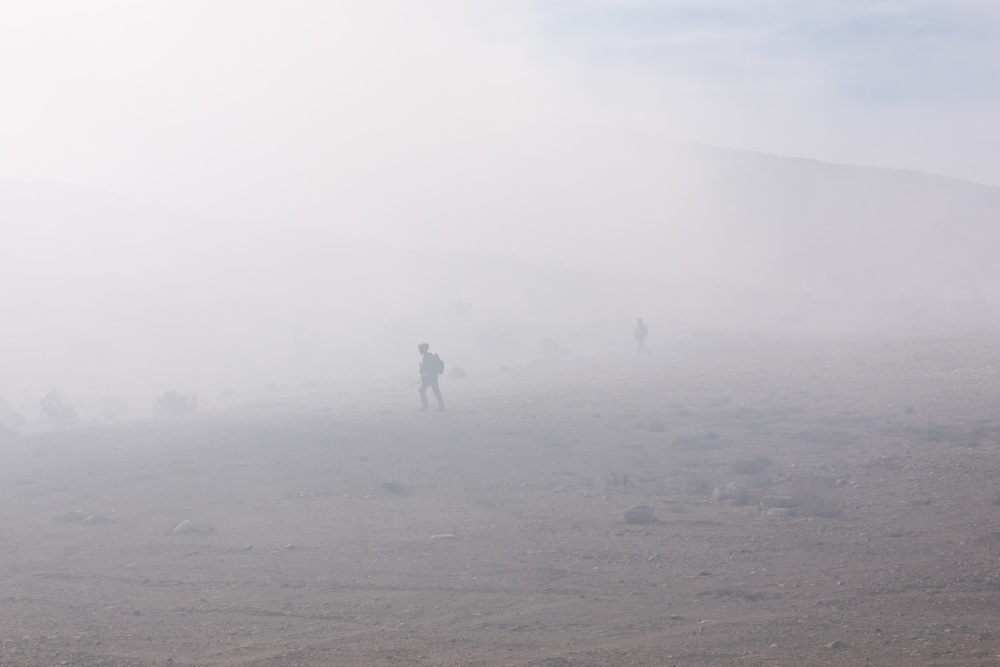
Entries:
{"x":544,"y":247}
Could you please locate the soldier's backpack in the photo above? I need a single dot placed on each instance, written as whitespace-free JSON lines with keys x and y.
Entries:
{"x":437,"y":363}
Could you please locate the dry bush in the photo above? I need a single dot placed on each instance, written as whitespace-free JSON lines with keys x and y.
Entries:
{"x":57,"y":411}
{"x":172,"y":404}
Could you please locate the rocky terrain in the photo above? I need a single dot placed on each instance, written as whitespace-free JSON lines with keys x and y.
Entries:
{"x":808,"y":501}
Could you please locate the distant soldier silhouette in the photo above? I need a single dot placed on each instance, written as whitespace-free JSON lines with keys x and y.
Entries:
{"x":430,"y":367}
{"x":639,"y":335}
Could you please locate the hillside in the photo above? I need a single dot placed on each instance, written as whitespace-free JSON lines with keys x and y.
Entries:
{"x":692,"y":215}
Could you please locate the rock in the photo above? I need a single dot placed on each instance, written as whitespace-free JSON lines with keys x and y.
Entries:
{"x":615,"y":478}
{"x":777,"y":501}
{"x":98,"y":519}
{"x":69,"y":517}
{"x":836,"y":644}
{"x":641,"y":514}
{"x":731,"y":491}
{"x":186,"y":526}
{"x":782,"y":512}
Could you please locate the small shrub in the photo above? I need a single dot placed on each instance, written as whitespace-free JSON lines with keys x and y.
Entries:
{"x":57,"y":411}
{"x":172,"y":404}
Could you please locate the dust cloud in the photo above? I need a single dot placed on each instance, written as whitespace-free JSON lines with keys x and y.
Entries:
{"x":115,"y":302}
{"x":221,"y":198}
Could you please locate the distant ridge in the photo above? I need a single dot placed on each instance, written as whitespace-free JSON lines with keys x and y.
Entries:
{"x":691,"y":215}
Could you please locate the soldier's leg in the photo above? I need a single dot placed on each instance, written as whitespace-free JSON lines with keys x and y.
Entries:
{"x":437,"y":395}
{"x":423,"y":394}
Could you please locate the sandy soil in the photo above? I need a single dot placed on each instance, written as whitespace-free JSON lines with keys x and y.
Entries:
{"x":343,"y":527}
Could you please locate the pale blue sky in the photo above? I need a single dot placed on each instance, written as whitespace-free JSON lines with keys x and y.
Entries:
{"x":254,"y":110}
{"x":932,"y":54}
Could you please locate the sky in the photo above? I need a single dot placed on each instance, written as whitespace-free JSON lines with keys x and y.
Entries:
{"x":301,"y":112}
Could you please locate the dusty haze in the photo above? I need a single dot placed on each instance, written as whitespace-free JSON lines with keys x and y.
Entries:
{"x":268,"y":206}
{"x":110,"y":298}
{"x":218,"y":195}
{"x":221,"y":197}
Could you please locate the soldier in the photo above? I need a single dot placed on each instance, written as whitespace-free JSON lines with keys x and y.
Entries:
{"x":639,"y":335}
{"x":430,"y":367}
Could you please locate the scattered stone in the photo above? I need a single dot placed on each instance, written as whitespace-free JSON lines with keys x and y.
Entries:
{"x":186,"y":526}
{"x":781,"y":512}
{"x":641,"y":514}
{"x":98,"y":519}
{"x":444,"y":536}
{"x":69,"y":517}
{"x":778,"y":501}
{"x":836,"y":644}
{"x":616,"y":479}
{"x":732,"y":491}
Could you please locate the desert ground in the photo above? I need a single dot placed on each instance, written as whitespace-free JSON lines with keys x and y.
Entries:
{"x":812,"y":501}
